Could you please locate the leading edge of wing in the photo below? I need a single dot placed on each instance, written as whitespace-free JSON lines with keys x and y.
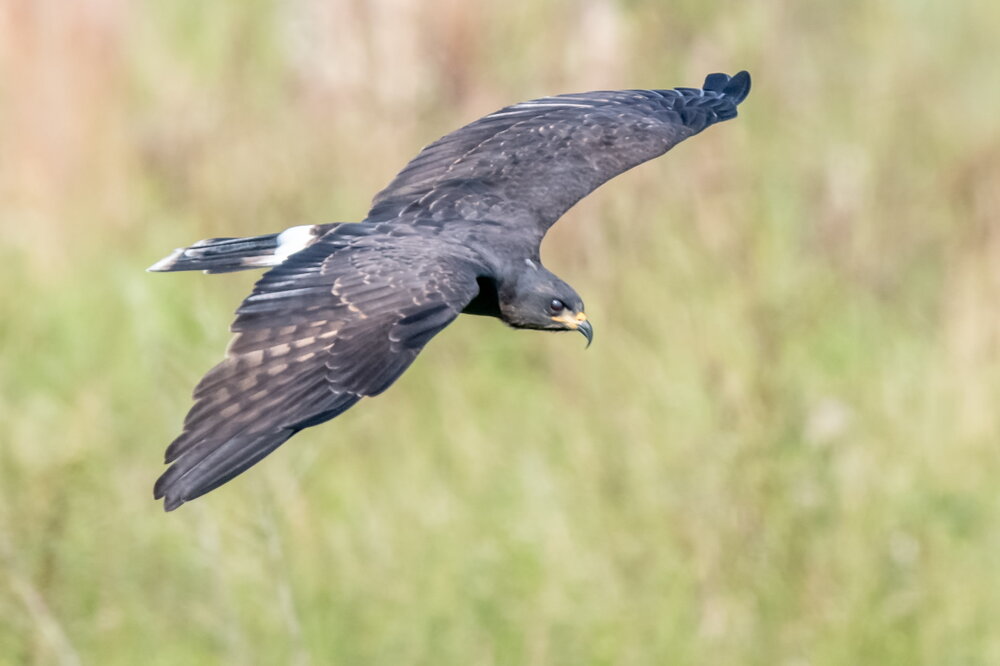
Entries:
{"x":537,"y":158}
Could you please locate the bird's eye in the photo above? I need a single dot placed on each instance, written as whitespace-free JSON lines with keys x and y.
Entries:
{"x":557,"y":306}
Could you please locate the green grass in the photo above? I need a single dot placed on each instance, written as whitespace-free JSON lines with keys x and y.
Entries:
{"x":782,"y":447}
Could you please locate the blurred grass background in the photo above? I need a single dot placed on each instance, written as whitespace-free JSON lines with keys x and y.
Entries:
{"x":783,"y":447}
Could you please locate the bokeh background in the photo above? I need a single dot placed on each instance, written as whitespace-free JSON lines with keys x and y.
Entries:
{"x":783,"y":447}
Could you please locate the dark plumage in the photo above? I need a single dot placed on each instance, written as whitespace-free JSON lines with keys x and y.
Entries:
{"x":346,"y":308}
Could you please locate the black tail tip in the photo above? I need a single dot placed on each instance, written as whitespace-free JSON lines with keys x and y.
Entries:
{"x":735,"y":87}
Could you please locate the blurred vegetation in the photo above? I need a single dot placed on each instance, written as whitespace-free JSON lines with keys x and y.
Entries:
{"x":783,"y":447}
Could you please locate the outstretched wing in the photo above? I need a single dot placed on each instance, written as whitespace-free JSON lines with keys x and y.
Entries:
{"x":528,"y":163}
{"x":338,"y":321}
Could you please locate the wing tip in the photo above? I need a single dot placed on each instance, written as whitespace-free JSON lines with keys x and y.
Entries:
{"x":169,"y":486}
{"x":201,"y":471}
{"x":170,"y":500}
{"x":735,"y":88}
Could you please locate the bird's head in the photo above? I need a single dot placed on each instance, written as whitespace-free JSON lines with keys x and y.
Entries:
{"x":541,"y":301}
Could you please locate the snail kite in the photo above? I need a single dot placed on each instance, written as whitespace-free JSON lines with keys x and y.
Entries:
{"x":345,"y":308}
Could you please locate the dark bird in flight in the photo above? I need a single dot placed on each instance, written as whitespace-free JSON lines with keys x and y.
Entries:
{"x":346,"y":307}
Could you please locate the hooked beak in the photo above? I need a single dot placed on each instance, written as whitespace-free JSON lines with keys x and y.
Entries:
{"x":578,"y":322}
{"x":587,"y":330}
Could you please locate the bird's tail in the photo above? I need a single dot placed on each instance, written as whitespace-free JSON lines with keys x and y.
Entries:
{"x":225,"y":255}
